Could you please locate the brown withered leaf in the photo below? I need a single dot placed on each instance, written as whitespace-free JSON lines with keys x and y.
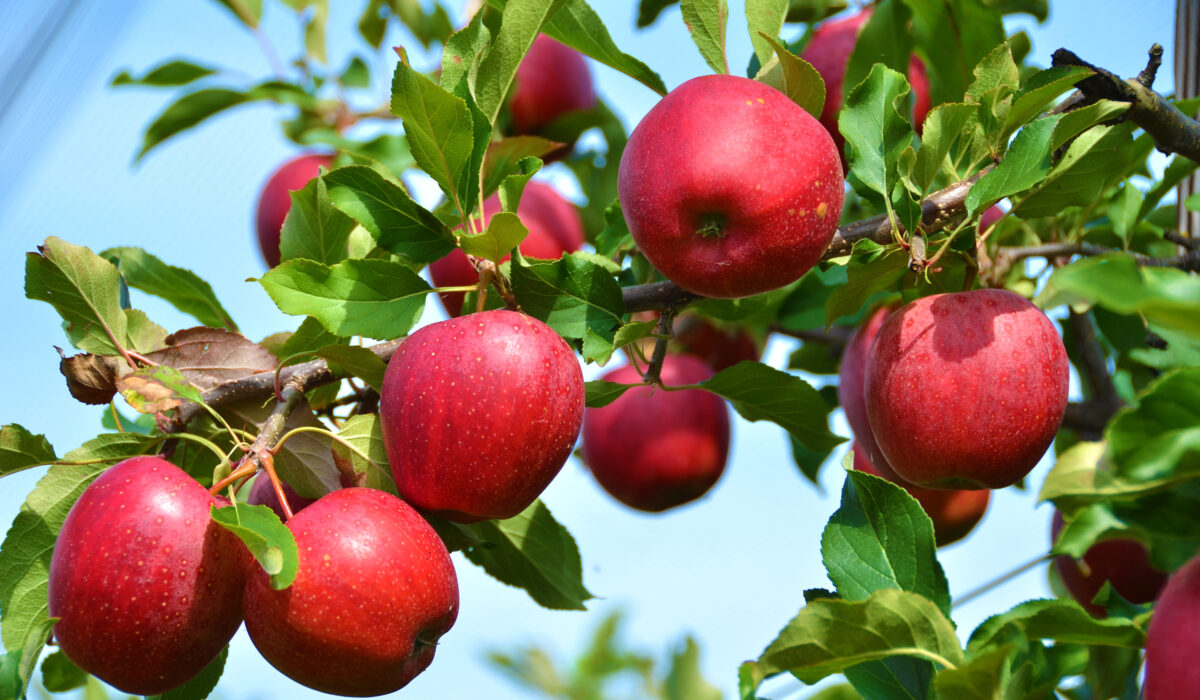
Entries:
{"x":147,"y":395}
{"x":208,"y":357}
{"x":92,"y":378}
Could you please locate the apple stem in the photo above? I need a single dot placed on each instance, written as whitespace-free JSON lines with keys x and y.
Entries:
{"x":246,"y":468}
{"x":1000,"y":580}
{"x":267,"y":461}
{"x":662,"y":334}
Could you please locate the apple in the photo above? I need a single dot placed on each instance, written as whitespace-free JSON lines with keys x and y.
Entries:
{"x":954,"y":512}
{"x":147,"y":588}
{"x":1124,"y":563}
{"x":276,"y":200}
{"x":829,"y":52}
{"x":554,"y":227}
{"x":851,"y":379}
{"x":730,"y":188}
{"x":966,"y":390}
{"x":1173,"y":637}
{"x":374,"y":591}
{"x":551,"y":81}
{"x":719,"y":347}
{"x":990,"y":216}
{"x":262,"y":493}
{"x":654,"y":449}
{"x":479,"y":413}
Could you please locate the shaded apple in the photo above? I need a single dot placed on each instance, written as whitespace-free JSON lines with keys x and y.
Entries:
{"x":730,"y":188}
{"x":654,"y":449}
{"x":262,"y":493}
{"x":147,"y":587}
{"x":829,"y":52}
{"x":954,"y":512}
{"x":1173,"y":637}
{"x":990,"y":216}
{"x":479,"y":413}
{"x":1124,"y":563}
{"x":275,"y":199}
{"x":554,"y":227}
{"x":720,"y":347}
{"x":552,"y":80}
{"x":374,"y":591}
{"x":851,"y":380}
{"x":966,"y":390}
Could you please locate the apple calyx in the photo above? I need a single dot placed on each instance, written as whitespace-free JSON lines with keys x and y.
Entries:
{"x":712,"y":226}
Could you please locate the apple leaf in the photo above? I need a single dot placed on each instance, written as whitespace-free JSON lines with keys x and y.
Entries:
{"x":357,"y":361}
{"x":600,"y":393}
{"x":25,"y":553}
{"x":684,"y":680}
{"x":866,"y":277}
{"x":829,"y":636}
{"x":706,"y":21}
{"x":534,"y":552}
{"x":880,"y":538}
{"x":1058,"y":620}
{"x":504,"y":232}
{"x":270,"y":541}
{"x":794,"y":77}
{"x":373,"y":298}
{"x":1040,"y":90}
{"x":168,"y":74}
{"x":944,"y":125}
{"x":1095,"y":161}
{"x":383,"y":208}
{"x":85,"y":289}
{"x":876,"y":129}
{"x":572,"y":295}
{"x":764,"y":18}
{"x":305,"y":341}
{"x":157,"y":389}
{"x":883,"y":39}
{"x":1123,"y":211}
{"x":60,"y":674}
{"x":305,"y":461}
{"x":182,"y":288}
{"x":315,"y":228}
{"x":200,"y":686}
{"x":521,"y":22}
{"x":504,"y":157}
{"x":16,"y":667}
{"x":188,"y":111}
{"x":461,"y":55}
{"x":208,"y":357}
{"x":951,"y":37}
{"x":1026,"y":164}
{"x":759,"y":392}
{"x":1077,"y":121}
{"x":983,"y":678}
{"x":21,"y":449}
{"x":364,"y":432}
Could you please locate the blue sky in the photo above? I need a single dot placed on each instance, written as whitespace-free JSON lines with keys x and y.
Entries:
{"x":729,"y":569}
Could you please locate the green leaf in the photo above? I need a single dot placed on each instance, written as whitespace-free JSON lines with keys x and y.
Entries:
{"x":883,"y":39}
{"x":364,"y":432}
{"x":572,"y":295}
{"x":1176,"y":171}
{"x":876,"y":131}
{"x":1164,"y":296}
{"x":600,"y":393}
{"x":983,"y":678}
{"x":182,"y":288}
{"x":504,"y":156}
{"x":764,"y":18}
{"x":308,"y":338}
{"x":809,"y":461}
{"x":157,"y":389}
{"x":145,"y":336}
{"x":441,"y":133}
{"x":248,"y":11}
{"x":794,"y":77}
{"x":383,"y":207}
{"x":1099,"y":158}
{"x":21,"y":449}
{"x":829,"y":636}
{"x":85,"y":290}
{"x":358,"y":361}
{"x":521,"y":22}
{"x":649,"y":10}
{"x":759,"y":392}
{"x":503,"y":233}
{"x":577,"y":25}
{"x":1060,"y":621}
{"x":315,"y":229}
{"x":60,"y":674}
{"x":171,"y":73}
{"x":881,"y":538}
{"x":1123,"y":211}
{"x":706,"y":20}
{"x":943,"y":126}
{"x":1026,"y":164}
{"x":356,"y":74}
{"x":684,"y":680}
{"x":1160,"y":437}
{"x":1077,"y":121}
{"x":373,"y":298}
{"x":186,"y":112}
{"x":201,"y":685}
{"x":270,"y":541}
{"x":25,"y":553}
{"x":26,"y":656}
{"x":952,"y":36}
{"x":532,"y":551}
{"x":317,"y":13}
{"x":864,"y":279}
{"x":1040,"y":90}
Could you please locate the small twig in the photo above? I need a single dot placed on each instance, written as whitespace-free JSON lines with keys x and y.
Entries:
{"x":1091,"y":357}
{"x":662,"y":334}
{"x":836,"y":337}
{"x":1000,"y":580}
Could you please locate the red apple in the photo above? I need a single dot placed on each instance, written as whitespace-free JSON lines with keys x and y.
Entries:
{"x":990,"y":216}
{"x":730,"y":188}
{"x":1122,"y":562}
{"x":147,"y":588}
{"x":954,"y":512}
{"x":1173,"y":637}
{"x":851,"y":378}
{"x":552,"y":81}
{"x":479,"y":413}
{"x":719,"y":347}
{"x":966,"y":390}
{"x":276,"y":200}
{"x":829,"y":52}
{"x":654,"y":449}
{"x":262,"y":493}
{"x":374,"y":591}
{"x":554,"y":227}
